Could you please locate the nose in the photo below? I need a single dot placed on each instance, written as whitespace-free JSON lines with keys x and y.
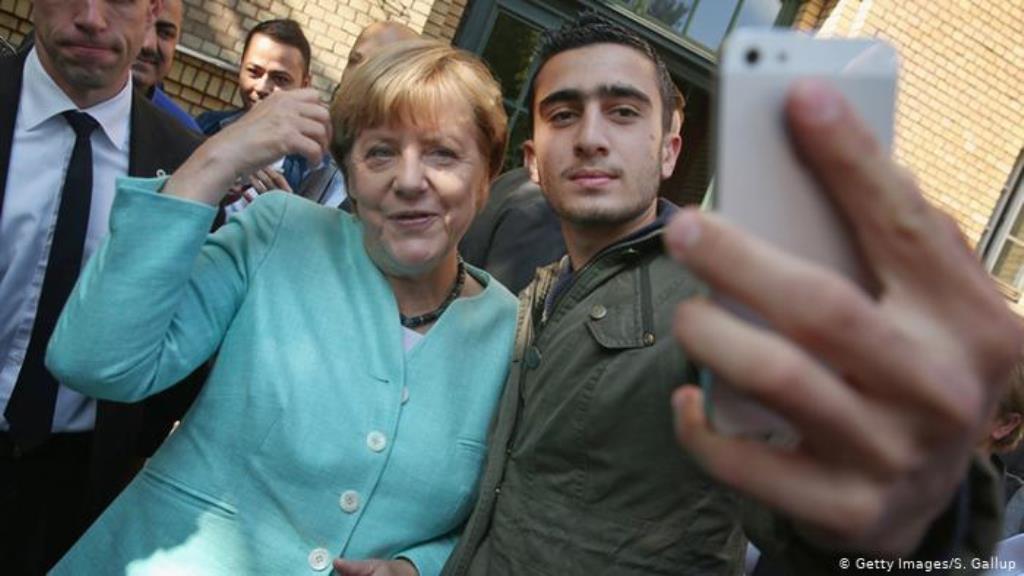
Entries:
{"x":264,"y":87}
{"x":411,"y":179}
{"x":149,"y":43}
{"x":90,"y":15}
{"x":591,"y":134}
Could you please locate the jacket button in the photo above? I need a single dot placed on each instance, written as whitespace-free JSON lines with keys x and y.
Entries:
{"x":533,"y":357}
{"x":349,"y":501}
{"x":648,"y":339}
{"x":319,"y":559}
{"x":376,"y":441}
{"x":598,"y":312}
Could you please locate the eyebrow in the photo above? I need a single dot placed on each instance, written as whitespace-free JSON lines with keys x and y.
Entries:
{"x":618,"y":91}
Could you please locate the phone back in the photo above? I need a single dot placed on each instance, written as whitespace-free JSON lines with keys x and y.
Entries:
{"x":760,"y":184}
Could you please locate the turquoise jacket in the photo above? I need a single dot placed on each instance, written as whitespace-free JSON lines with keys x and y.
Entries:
{"x":316,"y":435}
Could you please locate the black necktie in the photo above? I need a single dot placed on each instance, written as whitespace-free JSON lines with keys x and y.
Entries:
{"x":30,"y":410}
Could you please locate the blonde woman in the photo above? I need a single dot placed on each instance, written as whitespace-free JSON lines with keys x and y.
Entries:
{"x":359,"y":359}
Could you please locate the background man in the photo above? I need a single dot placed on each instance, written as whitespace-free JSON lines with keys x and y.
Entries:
{"x":69,"y":125}
{"x":583,"y":475}
{"x":275,"y":56}
{"x":326,"y":184}
{"x":155,"y":60}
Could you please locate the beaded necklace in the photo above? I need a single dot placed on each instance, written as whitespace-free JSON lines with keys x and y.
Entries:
{"x":432,"y":316}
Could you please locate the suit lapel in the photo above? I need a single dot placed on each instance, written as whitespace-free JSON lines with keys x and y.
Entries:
{"x":10,"y":91}
{"x":140,"y":158}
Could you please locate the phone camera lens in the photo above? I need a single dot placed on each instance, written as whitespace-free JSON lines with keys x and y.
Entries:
{"x":753,"y":56}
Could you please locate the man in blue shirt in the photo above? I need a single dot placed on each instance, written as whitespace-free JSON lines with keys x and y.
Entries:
{"x":275,"y":56}
{"x":154,"y":61}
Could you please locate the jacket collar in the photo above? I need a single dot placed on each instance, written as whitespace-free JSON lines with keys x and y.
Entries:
{"x":10,"y":90}
{"x":641,"y":239}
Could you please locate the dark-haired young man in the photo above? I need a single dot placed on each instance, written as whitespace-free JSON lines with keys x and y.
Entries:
{"x":275,"y":56}
{"x":584,"y":474}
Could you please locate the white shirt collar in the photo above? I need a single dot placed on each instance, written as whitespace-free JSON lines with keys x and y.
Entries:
{"x":42,"y":99}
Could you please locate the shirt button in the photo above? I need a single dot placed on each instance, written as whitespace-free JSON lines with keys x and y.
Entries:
{"x":648,"y":339}
{"x":376,"y":441}
{"x":598,"y":312}
{"x":405,"y":394}
{"x":319,"y":559}
{"x":349,"y":501}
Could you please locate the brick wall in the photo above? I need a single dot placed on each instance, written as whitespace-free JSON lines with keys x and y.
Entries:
{"x":960,"y":116}
{"x":14,"y":24}
{"x":214,"y":31}
{"x":205,"y":68}
{"x":812,"y":13}
{"x":199,"y":85}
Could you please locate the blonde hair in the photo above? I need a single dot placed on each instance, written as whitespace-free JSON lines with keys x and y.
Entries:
{"x":1012,"y":402}
{"x":411,"y":82}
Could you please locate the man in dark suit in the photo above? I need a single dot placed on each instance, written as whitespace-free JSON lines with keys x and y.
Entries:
{"x":70,"y":124}
{"x":516,"y":233}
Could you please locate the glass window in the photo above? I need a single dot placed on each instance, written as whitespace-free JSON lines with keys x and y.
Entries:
{"x":673,"y":14}
{"x":1009,"y":267}
{"x":711,"y":21}
{"x":705,"y":22}
{"x":758,"y":13}
{"x":509,"y":51}
{"x":1004,"y":251}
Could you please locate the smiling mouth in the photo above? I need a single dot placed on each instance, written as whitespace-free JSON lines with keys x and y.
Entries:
{"x":147,"y":60}
{"x":412,"y":219}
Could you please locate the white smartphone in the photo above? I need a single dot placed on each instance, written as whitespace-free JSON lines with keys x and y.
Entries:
{"x":763,"y":188}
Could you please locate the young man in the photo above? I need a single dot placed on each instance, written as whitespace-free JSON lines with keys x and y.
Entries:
{"x":275,"y":56}
{"x":70,"y":124}
{"x":584,"y":475}
{"x":155,"y":60}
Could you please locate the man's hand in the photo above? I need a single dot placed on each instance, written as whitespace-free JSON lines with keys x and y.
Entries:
{"x":374,"y":567}
{"x":888,"y":430}
{"x":262,"y":181}
{"x":287,"y":122}
{"x":267,"y":179}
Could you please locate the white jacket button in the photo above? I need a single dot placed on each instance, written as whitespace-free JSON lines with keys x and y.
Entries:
{"x":319,"y":559}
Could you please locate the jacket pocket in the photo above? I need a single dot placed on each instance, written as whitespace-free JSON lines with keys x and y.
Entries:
{"x":469,"y":457}
{"x":618,"y":328}
{"x":187,"y":495}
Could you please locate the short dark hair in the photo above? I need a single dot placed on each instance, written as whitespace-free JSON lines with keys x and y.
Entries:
{"x":591,"y":28}
{"x":283,"y":31}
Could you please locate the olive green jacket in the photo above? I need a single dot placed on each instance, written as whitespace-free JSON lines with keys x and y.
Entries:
{"x":584,"y":475}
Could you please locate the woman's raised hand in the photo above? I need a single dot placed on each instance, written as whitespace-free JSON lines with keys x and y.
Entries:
{"x":288,"y":122}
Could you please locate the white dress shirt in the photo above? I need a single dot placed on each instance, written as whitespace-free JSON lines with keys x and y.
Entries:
{"x":40,"y":153}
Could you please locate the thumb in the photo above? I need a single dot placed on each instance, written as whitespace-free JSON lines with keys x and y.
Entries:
{"x":354,"y":567}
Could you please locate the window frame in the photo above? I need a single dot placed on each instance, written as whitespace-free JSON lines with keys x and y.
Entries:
{"x":997,"y":233}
